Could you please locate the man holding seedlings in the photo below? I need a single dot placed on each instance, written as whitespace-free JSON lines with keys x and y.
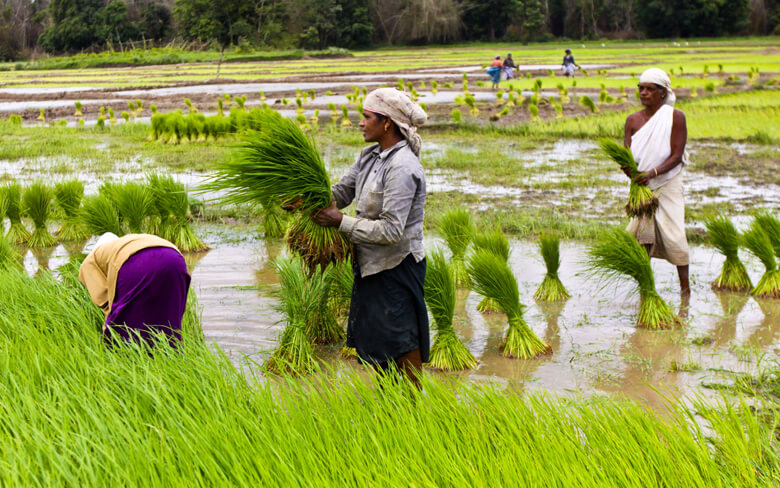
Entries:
{"x":388,"y":321}
{"x":568,"y":64}
{"x":141,"y":283}
{"x":656,"y":136}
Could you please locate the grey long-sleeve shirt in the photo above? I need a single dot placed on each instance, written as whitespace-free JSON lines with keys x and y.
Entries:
{"x":388,"y":188}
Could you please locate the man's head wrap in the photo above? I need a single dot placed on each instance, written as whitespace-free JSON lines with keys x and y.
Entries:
{"x":660,"y":78}
{"x":400,"y":108}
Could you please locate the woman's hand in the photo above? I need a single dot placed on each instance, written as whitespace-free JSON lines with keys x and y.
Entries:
{"x":643,"y":178}
{"x":328,"y":216}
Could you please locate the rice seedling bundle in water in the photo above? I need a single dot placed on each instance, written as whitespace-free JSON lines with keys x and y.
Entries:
{"x":551,"y":288}
{"x":280,"y":164}
{"x":641,"y":200}
{"x":724,"y":236}
{"x":175,"y":199}
{"x":12,"y":198}
{"x":299,"y":300}
{"x":99,"y":216}
{"x":448,"y":352}
{"x":771,"y":226}
{"x":457,"y":228}
{"x":37,"y":204}
{"x":133,"y":202}
{"x":617,"y":254}
{"x":9,"y":257}
{"x":759,"y":243}
{"x":492,"y":277}
{"x":493,"y":241}
{"x":68,"y":196}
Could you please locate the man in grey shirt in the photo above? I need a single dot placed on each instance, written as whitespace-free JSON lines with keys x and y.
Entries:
{"x":388,"y":321}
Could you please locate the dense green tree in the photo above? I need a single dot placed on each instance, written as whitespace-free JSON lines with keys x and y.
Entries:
{"x":488,"y":19}
{"x":688,"y":18}
{"x":156,"y":21}
{"x":113,"y":24}
{"x":342,"y":23}
{"x":73,"y":25}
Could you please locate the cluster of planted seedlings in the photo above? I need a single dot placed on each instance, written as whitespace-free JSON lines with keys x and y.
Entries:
{"x":457,"y":228}
{"x":495,"y":242}
{"x":175,"y":127}
{"x":725,"y":237}
{"x":762,"y":239}
{"x":641,"y":200}
{"x":551,"y":289}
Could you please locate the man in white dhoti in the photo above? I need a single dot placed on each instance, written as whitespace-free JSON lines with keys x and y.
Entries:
{"x":656,"y":136}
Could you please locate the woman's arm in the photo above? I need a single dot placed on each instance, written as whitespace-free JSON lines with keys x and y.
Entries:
{"x":677,"y":141}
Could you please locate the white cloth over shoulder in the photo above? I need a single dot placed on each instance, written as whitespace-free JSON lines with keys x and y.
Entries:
{"x":651,"y":145}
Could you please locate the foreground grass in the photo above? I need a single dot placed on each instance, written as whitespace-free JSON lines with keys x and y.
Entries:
{"x":74,"y":413}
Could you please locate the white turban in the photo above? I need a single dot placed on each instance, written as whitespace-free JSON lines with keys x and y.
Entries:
{"x":400,"y":108}
{"x":660,"y":78}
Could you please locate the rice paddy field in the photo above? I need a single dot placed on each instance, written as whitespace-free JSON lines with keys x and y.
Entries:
{"x":612,"y":404}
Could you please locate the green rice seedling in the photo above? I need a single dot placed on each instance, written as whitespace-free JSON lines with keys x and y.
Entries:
{"x":133,"y":201}
{"x":12,"y":198}
{"x":724,"y":236}
{"x":345,"y":122}
{"x":190,"y":106}
{"x":240,"y":100}
{"x":456,"y":116}
{"x":641,"y":200}
{"x":68,"y":196}
{"x":314,"y":119}
{"x":280,"y":164}
{"x":434,"y":87}
{"x":159,"y":214}
{"x":694,"y":93}
{"x":534,"y":100}
{"x":551,"y":289}
{"x":126,"y":116}
{"x":153,"y":108}
{"x":493,"y":241}
{"x":312,"y":94}
{"x":99,"y":215}
{"x":447,"y":353}
{"x":177,"y":202}
{"x":534,"y":111}
{"x":771,"y":226}
{"x":558,"y":111}
{"x":299,"y":300}
{"x":102,"y":111}
{"x":456,"y":226}
{"x":42,"y":116}
{"x":492,"y":277}
{"x":758,"y":242}
{"x":139,"y":106}
{"x":504,"y":112}
{"x":81,"y":123}
{"x":78,"y":109}
{"x":471,"y":102}
{"x":220,"y":107}
{"x":100,"y":123}
{"x":262,"y":96}
{"x":710,"y":88}
{"x":37,"y":204}
{"x":588,"y":103}
{"x":9,"y":257}
{"x":15,"y":119}
{"x":617,"y":254}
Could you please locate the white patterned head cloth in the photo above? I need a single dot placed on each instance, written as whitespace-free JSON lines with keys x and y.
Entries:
{"x":400,"y":108}
{"x":660,"y":78}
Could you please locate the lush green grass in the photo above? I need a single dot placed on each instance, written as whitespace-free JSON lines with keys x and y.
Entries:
{"x":75,"y":413}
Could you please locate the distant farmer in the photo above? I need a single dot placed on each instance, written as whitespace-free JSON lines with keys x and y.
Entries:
{"x":141,"y":283}
{"x":568,"y":65}
{"x":494,"y":71}
{"x":657,"y":136}
{"x":388,"y":320}
{"x":509,"y":66}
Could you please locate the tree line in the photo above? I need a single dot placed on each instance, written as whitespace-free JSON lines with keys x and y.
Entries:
{"x":68,"y":26}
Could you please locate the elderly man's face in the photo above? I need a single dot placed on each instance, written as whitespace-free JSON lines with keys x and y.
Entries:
{"x":651,"y":95}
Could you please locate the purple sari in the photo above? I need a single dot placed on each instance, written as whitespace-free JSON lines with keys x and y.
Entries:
{"x":151,"y":295}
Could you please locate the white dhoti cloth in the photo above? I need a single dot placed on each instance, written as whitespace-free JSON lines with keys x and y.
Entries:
{"x":665,"y":230}
{"x":508,"y":72}
{"x":568,"y":69}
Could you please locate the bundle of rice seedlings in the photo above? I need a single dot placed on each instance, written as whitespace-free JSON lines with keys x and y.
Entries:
{"x":771,"y":226}
{"x":345,"y":122}
{"x":457,"y":228}
{"x":493,"y":278}
{"x":280,"y":164}
{"x":159,"y":222}
{"x":68,"y":196}
{"x":9,"y":257}
{"x":493,"y":241}
{"x":275,"y":220}
{"x":37,"y":204}
{"x":341,"y":297}
{"x":299,"y":298}
{"x":588,"y":103}
{"x":323,"y":326}
{"x":551,"y":288}
{"x":78,"y":113}
{"x":133,"y":201}
{"x":99,"y":216}
{"x":641,"y":200}
{"x":617,"y":254}
{"x":759,"y":244}
{"x":724,"y":236}
{"x":12,"y":202}
{"x":448,"y":352}
{"x":174,"y":198}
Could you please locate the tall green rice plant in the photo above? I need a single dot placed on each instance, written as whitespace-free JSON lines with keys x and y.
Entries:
{"x":493,"y":241}
{"x":551,"y":288}
{"x":492,"y":277}
{"x":99,"y":215}
{"x":68,"y":196}
{"x":12,"y":198}
{"x":133,"y":201}
{"x":457,"y":228}
{"x":771,"y":226}
{"x":279,"y":164}
{"x":37,"y":204}
{"x":275,"y":221}
{"x":758,"y":242}
{"x":641,"y":200}
{"x":724,"y":236}
{"x":173,"y":197}
{"x":9,"y":257}
{"x":448,"y":352}
{"x":617,"y":254}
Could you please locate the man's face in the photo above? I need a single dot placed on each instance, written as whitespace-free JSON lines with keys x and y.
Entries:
{"x":650,"y":94}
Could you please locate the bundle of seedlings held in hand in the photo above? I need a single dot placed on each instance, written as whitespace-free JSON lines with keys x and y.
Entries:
{"x":447,"y":352}
{"x":299,"y":301}
{"x":37,"y":204}
{"x":724,"y":236}
{"x":457,"y":229}
{"x":12,"y":202}
{"x":759,"y":242}
{"x":492,"y":277}
{"x":68,"y":196}
{"x":617,"y":254}
{"x":493,"y":241}
{"x":280,"y":165}
{"x":641,"y":200}
{"x":551,"y":288}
